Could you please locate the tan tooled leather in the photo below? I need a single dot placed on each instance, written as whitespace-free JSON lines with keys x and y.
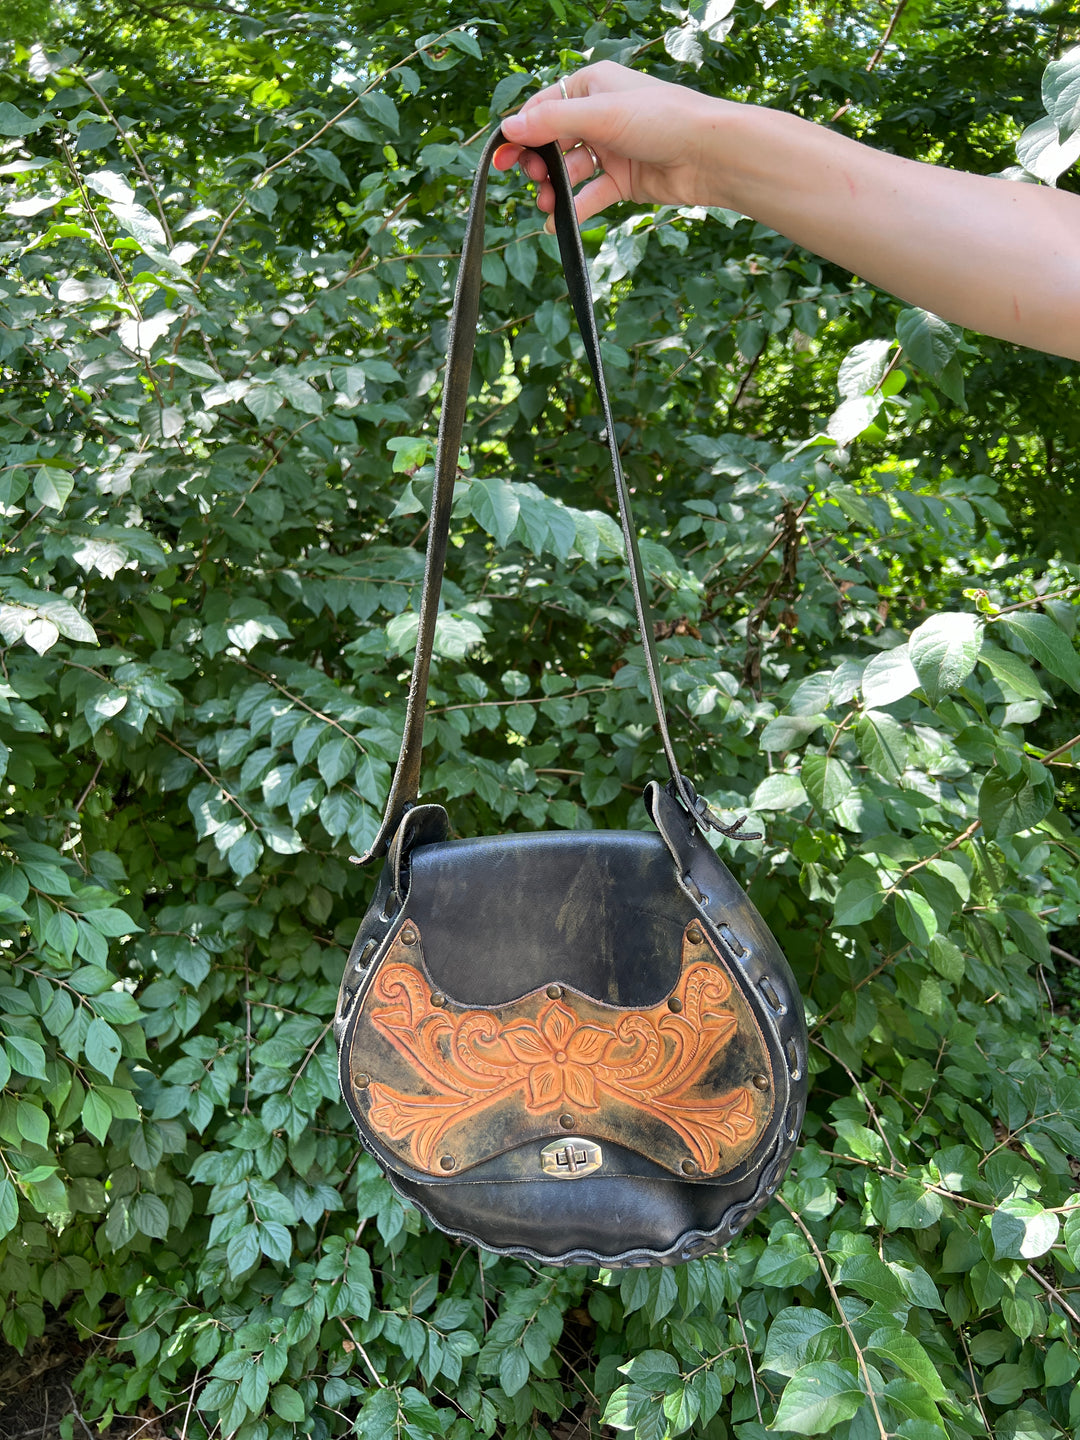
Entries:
{"x":687,"y":1083}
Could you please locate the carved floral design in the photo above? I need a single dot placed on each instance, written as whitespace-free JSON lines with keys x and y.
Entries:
{"x":556,"y":1060}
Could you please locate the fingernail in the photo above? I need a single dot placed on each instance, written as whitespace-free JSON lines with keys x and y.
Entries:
{"x":512,"y":125}
{"x":549,"y":225}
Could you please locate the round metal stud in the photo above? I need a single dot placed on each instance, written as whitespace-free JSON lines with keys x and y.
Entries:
{"x":447,"y":1162}
{"x":566,"y":1121}
{"x":761,"y":1082}
{"x":690,"y":1167}
{"x":694,"y":935}
{"x":438,"y":998}
{"x":674,"y":1005}
{"x":408,"y":936}
{"x":554,"y":992}
{"x":361,"y":1081}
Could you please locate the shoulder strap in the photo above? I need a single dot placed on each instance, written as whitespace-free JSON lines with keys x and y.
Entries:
{"x":462,"y":339}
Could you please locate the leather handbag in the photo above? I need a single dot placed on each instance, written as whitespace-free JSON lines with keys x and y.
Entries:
{"x":575,"y":1047}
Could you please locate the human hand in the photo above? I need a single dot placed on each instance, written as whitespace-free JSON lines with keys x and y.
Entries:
{"x":648,"y":136}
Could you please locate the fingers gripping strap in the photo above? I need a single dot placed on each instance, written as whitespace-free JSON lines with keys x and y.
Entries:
{"x":462,"y":341}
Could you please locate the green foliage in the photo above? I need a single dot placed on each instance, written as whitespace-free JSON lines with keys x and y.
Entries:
{"x":229,"y":244}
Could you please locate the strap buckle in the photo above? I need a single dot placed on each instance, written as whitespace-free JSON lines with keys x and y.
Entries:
{"x":680,"y":788}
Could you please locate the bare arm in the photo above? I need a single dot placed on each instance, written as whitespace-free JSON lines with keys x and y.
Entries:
{"x":988,"y":254}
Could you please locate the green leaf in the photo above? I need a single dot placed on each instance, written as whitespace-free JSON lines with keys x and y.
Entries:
{"x":275,"y":1241}
{"x":381,"y":108}
{"x":1048,"y":643}
{"x":946,"y":958}
{"x":102,"y":1047}
{"x":827,"y":781}
{"x":863,"y":368}
{"x":683,"y":45}
{"x":852,"y":417}
{"x":788,"y":732}
{"x":455,"y":635}
{"x":513,"y":1370}
{"x":9,"y":1206}
{"x":288,"y":1403}
{"x":336,"y":758}
{"x":242,"y":1251}
{"x":781,"y":791}
{"x":137,"y":221}
{"x":1005,"y":1384}
{"x":33,"y":1123}
{"x":150,"y":1216}
{"x":26,"y":1056}
{"x":943,"y":651}
{"x":889,"y":677}
{"x":245,"y":853}
{"x":1061,"y":92}
{"x":915,"y":916}
{"x":1013,"y":670}
{"x":909,"y":1357}
{"x":1009,"y":804}
{"x":1023,"y":1230}
{"x":1059,"y":1367}
{"x":882,"y":744}
{"x":52,"y":487}
{"x":508,"y":89}
{"x":787,"y":1260}
{"x":798,"y":1336}
{"x":871,"y":1278}
{"x":682,"y":1406}
{"x":931,"y":344}
{"x":96,"y":1116}
{"x":496,"y":507}
{"x":13,"y":122}
{"x":858,"y":900}
{"x":1043,"y":154}
{"x":818,"y":1397}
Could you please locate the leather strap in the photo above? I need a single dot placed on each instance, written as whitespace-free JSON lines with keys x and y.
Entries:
{"x":462,"y":340}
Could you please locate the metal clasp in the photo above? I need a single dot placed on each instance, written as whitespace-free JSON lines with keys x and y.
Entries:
{"x":571,"y":1159}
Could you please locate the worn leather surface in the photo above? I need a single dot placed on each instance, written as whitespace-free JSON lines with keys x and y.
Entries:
{"x":605,"y":914}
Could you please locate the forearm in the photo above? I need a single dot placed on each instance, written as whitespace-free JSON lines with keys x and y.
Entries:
{"x":992,"y":255}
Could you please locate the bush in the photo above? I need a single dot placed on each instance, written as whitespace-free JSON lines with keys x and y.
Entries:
{"x":229,"y":267}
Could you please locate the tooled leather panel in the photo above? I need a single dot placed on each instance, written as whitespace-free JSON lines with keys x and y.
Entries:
{"x":687,"y":1082}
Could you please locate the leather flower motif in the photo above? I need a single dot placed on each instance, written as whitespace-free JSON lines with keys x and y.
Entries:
{"x":545,"y":1055}
{"x":560,"y":1052}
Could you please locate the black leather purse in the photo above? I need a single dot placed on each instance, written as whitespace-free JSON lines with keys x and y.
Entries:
{"x":576,"y":1047}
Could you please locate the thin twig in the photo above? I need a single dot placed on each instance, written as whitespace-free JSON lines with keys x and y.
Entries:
{"x":1060,"y":750}
{"x":865,"y":1098}
{"x":81,"y":801}
{"x":871,"y":64}
{"x":859,"y":1356}
{"x":367,"y":1361}
{"x":285,"y":159}
{"x":905,"y":1175}
{"x":1057,"y":950}
{"x":1055,"y":1295}
{"x":211,"y":776}
{"x":953,"y":844}
{"x":191,"y":1401}
{"x":974,"y":1382}
{"x":134,"y":155}
{"x":1035,"y":600}
{"x":75,"y":1411}
{"x":750,"y":1358}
